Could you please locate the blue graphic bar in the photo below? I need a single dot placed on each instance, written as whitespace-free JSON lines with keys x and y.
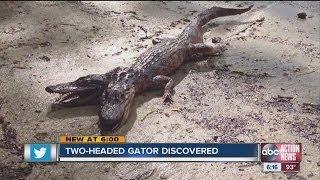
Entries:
{"x":190,"y":152}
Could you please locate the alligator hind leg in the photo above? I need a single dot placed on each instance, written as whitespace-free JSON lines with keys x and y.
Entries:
{"x":202,"y":48}
{"x":167,"y":82}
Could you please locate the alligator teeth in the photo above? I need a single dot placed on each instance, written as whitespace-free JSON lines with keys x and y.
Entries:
{"x":66,"y":96}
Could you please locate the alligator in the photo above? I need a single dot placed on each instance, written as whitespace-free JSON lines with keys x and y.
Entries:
{"x":114,"y":91}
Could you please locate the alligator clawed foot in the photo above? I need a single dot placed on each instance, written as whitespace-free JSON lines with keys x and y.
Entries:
{"x":222,"y":47}
{"x":156,"y":41}
{"x":219,"y":49}
{"x":167,"y":99}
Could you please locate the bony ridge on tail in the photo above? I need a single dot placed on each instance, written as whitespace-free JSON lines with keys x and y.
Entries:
{"x":114,"y":91}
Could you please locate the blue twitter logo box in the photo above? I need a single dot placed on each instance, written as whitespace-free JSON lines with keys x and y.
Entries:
{"x":40,"y":152}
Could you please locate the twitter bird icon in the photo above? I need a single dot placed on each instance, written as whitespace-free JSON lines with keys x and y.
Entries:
{"x":40,"y":152}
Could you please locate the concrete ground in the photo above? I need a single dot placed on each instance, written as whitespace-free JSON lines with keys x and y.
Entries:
{"x":264,"y":88}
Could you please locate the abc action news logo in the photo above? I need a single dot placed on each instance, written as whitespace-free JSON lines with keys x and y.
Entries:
{"x":281,"y":152}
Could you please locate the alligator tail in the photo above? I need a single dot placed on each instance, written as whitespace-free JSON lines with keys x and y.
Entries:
{"x":215,"y":12}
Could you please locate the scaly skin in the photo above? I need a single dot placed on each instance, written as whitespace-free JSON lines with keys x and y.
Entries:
{"x":113,"y":92}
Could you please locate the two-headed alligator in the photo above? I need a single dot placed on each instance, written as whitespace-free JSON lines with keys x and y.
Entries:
{"x":114,"y":91}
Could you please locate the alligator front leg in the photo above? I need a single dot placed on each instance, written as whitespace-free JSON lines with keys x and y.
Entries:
{"x":205,"y":49}
{"x":167,"y":82}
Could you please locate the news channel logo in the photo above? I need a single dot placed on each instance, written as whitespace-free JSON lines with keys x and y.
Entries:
{"x":40,"y":152}
{"x":269,"y":153}
{"x":281,"y":152}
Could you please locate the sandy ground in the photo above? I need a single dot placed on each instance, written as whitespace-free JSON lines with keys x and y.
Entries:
{"x":264,"y":88}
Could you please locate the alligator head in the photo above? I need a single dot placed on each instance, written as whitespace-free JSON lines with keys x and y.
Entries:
{"x":114,"y":107}
{"x":84,"y":91}
{"x":112,"y":98}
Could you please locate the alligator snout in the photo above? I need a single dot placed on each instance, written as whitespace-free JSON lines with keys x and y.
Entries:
{"x":49,"y":89}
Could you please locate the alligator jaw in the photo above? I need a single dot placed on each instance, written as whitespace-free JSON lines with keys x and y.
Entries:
{"x":73,"y":96}
{"x":73,"y":99}
{"x":67,"y":97}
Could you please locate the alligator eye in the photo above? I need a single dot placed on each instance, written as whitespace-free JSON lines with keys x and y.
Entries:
{"x":114,"y":76}
{"x":81,"y":79}
{"x":122,"y":74}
